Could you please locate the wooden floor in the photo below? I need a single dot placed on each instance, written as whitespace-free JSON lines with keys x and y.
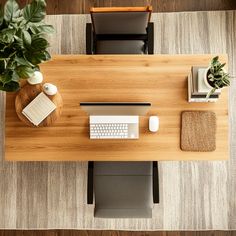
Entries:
{"x":83,"y":6}
{"x":112,"y":233}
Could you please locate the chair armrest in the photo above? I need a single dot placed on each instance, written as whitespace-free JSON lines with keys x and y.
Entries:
{"x":150,"y":35}
{"x":155,"y":176}
{"x":89,"y":38}
{"x":90,"y":183}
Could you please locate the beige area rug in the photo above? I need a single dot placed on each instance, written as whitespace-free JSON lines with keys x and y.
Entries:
{"x":194,"y":195}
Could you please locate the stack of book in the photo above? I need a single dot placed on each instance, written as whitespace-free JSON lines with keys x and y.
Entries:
{"x":197,"y":89}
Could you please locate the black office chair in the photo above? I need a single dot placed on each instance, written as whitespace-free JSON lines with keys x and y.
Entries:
{"x":123,"y":189}
{"x":122,"y":30}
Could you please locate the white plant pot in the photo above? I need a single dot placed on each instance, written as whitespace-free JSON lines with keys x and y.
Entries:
{"x":205,"y":79}
{"x":37,"y":78}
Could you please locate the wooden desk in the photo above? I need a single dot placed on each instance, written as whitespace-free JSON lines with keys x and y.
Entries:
{"x":159,"y":79}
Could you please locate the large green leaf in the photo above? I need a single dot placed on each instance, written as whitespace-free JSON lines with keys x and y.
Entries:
{"x":35,"y":11}
{"x":11,"y":10}
{"x":23,"y":62}
{"x":26,"y":37}
{"x":39,"y":44}
{"x":48,"y":29}
{"x":7,"y":35}
{"x":19,"y":42}
{"x":40,"y":29}
{"x":24,"y":71}
{"x":11,"y":86}
{"x":33,"y":28}
{"x":36,"y":57}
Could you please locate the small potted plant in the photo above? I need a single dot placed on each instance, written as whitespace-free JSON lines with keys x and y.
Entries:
{"x":23,"y":43}
{"x":215,"y":76}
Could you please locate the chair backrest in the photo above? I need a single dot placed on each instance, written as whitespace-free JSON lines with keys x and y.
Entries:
{"x":120,"y":20}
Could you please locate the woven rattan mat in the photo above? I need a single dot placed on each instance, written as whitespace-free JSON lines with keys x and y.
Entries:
{"x":198,"y":131}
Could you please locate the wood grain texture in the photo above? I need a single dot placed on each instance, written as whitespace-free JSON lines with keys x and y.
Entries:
{"x":158,"y":79}
{"x":83,"y":6}
{"x":121,"y":9}
{"x":112,"y":233}
{"x":194,"y":195}
{"x":27,"y":94}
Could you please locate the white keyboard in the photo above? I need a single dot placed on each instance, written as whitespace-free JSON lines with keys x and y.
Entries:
{"x":114,"y":127}
{"x":109,"y":131}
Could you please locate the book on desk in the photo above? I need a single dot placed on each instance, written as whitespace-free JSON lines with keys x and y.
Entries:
{"x":197,"y":90}
{"x":38,"y":109}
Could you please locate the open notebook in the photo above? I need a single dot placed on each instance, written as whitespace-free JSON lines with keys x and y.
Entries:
{"x":37,"y":110}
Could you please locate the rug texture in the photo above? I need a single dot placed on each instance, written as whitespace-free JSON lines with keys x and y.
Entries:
{"x":193,"y":195}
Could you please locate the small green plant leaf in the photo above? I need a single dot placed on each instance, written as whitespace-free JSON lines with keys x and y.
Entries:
{"x":35,"y":11}
{"x":11,"y":10}
{"x":210,"y":93}
{"x":214,"y":60}
{"x":217,"y":76}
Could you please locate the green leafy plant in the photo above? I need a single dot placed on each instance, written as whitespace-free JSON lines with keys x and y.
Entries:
{"x":23,"y":43}
{"x":216,"y":76}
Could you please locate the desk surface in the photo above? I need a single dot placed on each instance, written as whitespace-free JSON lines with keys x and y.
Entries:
{"x":159,"y":79}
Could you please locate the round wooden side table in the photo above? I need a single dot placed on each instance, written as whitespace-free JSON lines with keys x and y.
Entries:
{"x":26,"y":94}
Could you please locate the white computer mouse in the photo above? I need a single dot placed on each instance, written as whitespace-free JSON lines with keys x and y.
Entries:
{"x":153,"y":123}
{"x":49,"y":89}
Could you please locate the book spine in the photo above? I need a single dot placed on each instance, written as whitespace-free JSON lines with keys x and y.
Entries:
{"x":204,"y":96}
{"x":202,"y":100}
